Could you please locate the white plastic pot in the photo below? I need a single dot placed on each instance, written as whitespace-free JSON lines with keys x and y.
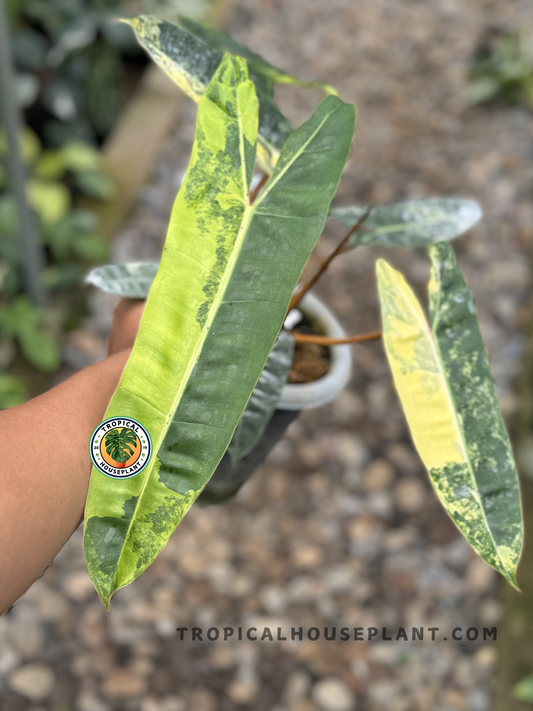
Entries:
{"x":301,"y":396}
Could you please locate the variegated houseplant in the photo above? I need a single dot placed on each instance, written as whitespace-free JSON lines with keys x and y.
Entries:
{"x":219,"y":299}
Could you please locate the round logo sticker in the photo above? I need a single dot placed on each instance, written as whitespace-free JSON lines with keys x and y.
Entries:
{"x":120,"y":447}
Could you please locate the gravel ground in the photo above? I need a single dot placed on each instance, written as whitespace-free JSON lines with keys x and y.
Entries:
{"x":340,"y":528}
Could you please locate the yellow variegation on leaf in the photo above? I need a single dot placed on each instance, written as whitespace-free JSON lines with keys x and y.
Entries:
{"x":214,"y":311}
{"x":446,"y":389}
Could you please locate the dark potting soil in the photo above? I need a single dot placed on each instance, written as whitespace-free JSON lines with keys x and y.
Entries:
{"x":310,"y":361}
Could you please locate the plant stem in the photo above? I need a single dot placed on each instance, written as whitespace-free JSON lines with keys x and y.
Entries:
{"x":305,"y":288}
{"x":261,"y":184}
{"x":31,"y":253}
{"x":326,"y":341}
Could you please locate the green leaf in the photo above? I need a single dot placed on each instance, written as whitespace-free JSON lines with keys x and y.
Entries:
{"x":103,"y":86}
{"x":9,"y":276}
{"x":51,"y":201}
{"x":50,"y":166}
{"x":39,"y":348}
{"x":134,"y":281}
{"x":414,"y":223}
{"x":19,"y":312}
{"x":91,"y":248}
{"x":96,"y":185}
{"x":229,"y":475}
{"x":62,"y":276}
{"x":30,"y":146}
{"x":523,"y":691}
{"x":444,"y":382}
{"x":13,"y":391}
{"x":127,"y":280}
{"x":80,"y":157}
{"x":26,"y":322}
{"x":190,"y":54}
{"x":481,"y":90}
{"x":74,"y":234}
{"x":213,"y":314}
{"x":264,"y":399}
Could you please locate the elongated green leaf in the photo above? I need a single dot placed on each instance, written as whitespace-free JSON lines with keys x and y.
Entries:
{"x":448,"y":396}
{"x":190,"y":54}
{"x":27,"y":323}
{"x":415,"y":223}
{"x":214,"y":311}
{"x":128,"y":280}
{"x":264,"y":399}
{"x":39,"y":347}
{"x":50,"y":200}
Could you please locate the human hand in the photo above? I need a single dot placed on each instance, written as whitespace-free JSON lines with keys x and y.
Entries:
{"x":126,"y":320}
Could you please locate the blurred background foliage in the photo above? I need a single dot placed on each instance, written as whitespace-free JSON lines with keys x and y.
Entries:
{"x":74,"y":69}
{"x":503,"y":69}
{"x":76,"y":66}
{"x":72,"y":65}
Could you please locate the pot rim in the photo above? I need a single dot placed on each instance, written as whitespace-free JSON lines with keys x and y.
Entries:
{"x":300,"y":396}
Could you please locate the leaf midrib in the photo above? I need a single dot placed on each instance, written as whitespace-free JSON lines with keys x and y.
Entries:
{"x":193,"y":81}
{"x":211,"y":316}
{"x":247,"y":215}
{"x":274,"y":180}
{"x":201,"y":341}
{"x":429,"y":334}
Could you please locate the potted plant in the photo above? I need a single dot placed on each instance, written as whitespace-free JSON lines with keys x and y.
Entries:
{"x":205,"y":384}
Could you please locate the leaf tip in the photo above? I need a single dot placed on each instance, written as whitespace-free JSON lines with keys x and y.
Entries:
{"x":510,"y":576}
{"x":105,"y":593}
{"x":508,"y":563}
{"x":329,"y":89}
{"x":107,"y":603}
{"x":383,"y":268}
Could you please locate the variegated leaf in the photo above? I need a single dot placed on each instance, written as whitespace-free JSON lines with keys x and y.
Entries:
{"x":414,"y":223}
{"x":134,"y":281}
{"x":444,"y":382}
{"x":127,"y":280}
{"x":214,"y":311}
{"x":263,"y":74}
{"x":190,"y":54}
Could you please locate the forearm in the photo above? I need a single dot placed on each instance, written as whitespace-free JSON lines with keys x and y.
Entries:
{"x":45,"y":469}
